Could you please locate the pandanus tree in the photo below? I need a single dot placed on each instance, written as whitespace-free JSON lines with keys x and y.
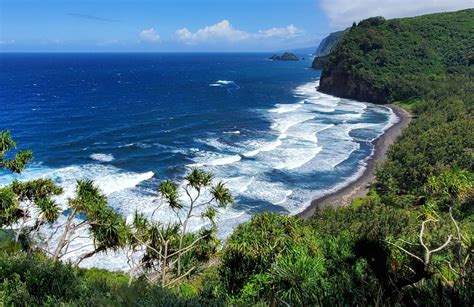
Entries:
{"x":21,"y":159}
{"x":169,"y":251}
{"x":90,"y":217}
{"x":25,"y":206}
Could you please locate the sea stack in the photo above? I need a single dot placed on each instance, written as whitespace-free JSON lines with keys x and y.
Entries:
{"x":287,"y":56}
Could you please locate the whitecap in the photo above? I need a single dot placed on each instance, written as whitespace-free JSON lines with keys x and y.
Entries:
{"x":273,"y":192}
{"x":293,"y":157}
{"x":225,"y":81}
{"x":284,"y":108}
{"x":238,"y":185}
{"x":263,"y":147}
{"x":220,"y":83}
{"x":102,"y":157}
{"x":232,"y":132}
{"x":222,"y":160}
{"x":288,"y":120}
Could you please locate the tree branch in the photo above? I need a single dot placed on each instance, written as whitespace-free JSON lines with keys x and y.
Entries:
{"x":409,"y":253}
{"x":180,"y":277}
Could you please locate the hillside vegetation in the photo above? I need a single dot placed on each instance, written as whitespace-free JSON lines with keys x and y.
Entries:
{"x":325,"y":48}
{"x":388,"y":60}
{"x":328,"y":43}
{"x":409,"y":242}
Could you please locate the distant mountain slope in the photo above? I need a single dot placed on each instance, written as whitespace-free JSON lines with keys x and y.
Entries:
{"x":329,"y":42}
{"x":325,"y":48}
{"x":387,"y":60}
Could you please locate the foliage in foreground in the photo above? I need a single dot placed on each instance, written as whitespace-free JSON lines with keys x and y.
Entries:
{"x":33,"y":279}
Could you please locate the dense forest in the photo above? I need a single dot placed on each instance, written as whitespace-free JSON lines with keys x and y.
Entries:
{"x":410,"y":241}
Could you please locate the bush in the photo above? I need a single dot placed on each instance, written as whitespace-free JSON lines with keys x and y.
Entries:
{"x":260,"y":247}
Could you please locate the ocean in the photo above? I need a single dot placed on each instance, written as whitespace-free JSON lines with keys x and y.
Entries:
{"x":130,"y":121}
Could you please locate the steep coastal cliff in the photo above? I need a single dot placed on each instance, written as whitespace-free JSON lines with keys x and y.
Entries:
{"x":382,"y":60}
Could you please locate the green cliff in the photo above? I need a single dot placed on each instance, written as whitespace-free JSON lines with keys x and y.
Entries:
{"x":382,"y":60}
{"x":325,"y":48}
{"x":329,"y":42}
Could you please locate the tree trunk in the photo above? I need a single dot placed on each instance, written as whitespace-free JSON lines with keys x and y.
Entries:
{"x":84,"y":256}
{"x":62,"y":240}
{"x":163,"y":265}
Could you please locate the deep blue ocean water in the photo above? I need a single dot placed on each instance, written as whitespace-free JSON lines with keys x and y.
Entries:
{"x":129,"y":121}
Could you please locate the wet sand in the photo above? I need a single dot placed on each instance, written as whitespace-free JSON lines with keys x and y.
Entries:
{"x":359,"y":187}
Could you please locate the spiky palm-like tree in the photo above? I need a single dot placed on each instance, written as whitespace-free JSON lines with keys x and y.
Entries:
{"x":168,"y":248}
{"x":25,"y":206}
{"x":89,"y":210}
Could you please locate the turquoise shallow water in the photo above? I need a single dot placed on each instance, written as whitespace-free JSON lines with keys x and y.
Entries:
{"x":129,"y":121}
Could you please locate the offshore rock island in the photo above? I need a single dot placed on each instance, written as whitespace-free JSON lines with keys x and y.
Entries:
{"x":286,"y":56}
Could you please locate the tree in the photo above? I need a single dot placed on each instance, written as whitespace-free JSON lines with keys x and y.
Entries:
{"x":36,"y":205}
{"x":169,"y":251}
{"x":89,"y":211}
{"x":444,"y":194}
{"x":22,"y":158}
{"x":25,"y":206}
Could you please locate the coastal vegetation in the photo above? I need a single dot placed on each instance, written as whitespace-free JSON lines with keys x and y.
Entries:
{"x":328,"y":43}
{"x":410,"y":241}
{"x":325,"y":48}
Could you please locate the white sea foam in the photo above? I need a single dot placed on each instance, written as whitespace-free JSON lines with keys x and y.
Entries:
{"x":284,"y":108}
{"x":287,"y":194}
{"x":287,"y":120}
{"x":222,"y":160}
{"x":216,"y":143}
{"x":116,"y":182}
{"x":263,"y":147}
{"x":222,"y":83}
{"x":238,"y":185}
{"x":102,"y":157}
{"x":272,"y":192}
{"x":295,"y":155}
{"x":139,"y":145}
{"x":392,"y":120}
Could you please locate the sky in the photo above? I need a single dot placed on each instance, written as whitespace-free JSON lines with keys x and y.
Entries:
{"x":190,"y":25}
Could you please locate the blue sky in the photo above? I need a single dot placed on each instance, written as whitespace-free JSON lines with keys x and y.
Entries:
{"x":188,"y":25}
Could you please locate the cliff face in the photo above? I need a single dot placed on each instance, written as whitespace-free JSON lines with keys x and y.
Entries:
{"x":325,"y":48}
{"x":328,"y":43}
{"x":339,"y":82}
{"x":382,"y":60}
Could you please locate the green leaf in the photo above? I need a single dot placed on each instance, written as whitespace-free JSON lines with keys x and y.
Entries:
{"x":199,"y":179}
{"x":222,"y":195}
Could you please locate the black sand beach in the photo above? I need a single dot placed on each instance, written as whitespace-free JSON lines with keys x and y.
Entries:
{"x":359,"y":187}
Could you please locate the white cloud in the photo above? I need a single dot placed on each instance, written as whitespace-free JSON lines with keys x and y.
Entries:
{"x":150,"y":36}
{"x":342,"y":13}
{"x":223,"y":31}
{"x":289,"y":31}
{"x":7,"y":42}
{"x":220,"y":31}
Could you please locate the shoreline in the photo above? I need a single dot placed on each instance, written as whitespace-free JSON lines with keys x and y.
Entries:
{"x":359,"y":187}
